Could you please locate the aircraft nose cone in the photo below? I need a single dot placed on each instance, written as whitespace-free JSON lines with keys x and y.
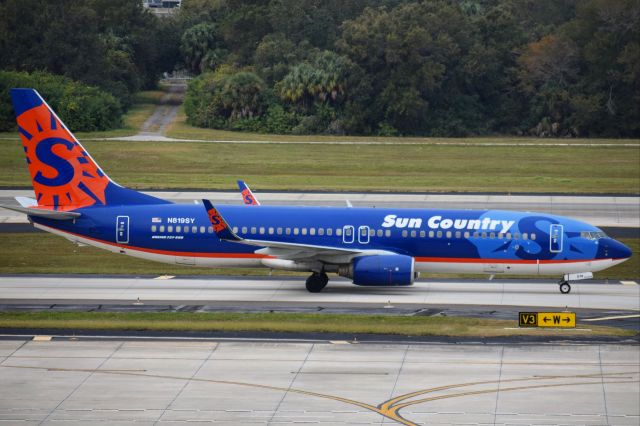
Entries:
{"x":617,"y":250}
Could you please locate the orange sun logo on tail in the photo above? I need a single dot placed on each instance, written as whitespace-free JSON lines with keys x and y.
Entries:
{"x":64,"y":176}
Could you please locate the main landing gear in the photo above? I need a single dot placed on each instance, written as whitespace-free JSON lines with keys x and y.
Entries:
{"x":565,"y":288}
{"x":316,"y":282}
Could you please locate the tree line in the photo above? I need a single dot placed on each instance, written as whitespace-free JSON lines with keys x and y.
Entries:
{"x":436,"y":68}
{"x":559,"y":68}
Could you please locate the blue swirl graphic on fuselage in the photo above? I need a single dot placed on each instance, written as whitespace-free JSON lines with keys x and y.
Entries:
{"x":528,"y":224}
{"x":44,"y":152}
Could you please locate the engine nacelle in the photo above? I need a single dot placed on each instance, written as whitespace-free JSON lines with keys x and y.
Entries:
{"x":380,"y":270}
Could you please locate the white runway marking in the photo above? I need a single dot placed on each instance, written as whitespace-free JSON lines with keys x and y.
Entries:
{"x":612,"y":318}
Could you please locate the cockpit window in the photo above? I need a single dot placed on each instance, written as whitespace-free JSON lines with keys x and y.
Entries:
{"x":590,"y":235}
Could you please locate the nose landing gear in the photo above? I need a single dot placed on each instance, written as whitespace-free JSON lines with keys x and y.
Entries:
{"x":565,"y":288}
{"x":316,"y":282}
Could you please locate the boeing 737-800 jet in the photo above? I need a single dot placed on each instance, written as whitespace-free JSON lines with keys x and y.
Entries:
{"x":76,"y":199}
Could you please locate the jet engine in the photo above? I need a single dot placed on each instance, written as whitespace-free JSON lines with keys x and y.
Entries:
{"x":380,"y":270}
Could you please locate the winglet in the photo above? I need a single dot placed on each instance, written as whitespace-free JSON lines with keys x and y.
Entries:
{"x":247,"y":195}
{"x":223,"y":230}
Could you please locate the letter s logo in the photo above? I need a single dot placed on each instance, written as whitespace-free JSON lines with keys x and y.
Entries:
{"x":542,"y":241}
{"x":44,"y":152}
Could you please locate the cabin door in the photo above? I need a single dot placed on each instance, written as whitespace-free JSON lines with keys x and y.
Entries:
{"x":122,"y":229}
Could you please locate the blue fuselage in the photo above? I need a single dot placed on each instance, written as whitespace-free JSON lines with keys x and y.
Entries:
{"x":439,"y":240}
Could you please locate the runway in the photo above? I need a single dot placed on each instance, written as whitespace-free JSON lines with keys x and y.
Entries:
{"x":604,"y":211}
{"x":290,"y":291}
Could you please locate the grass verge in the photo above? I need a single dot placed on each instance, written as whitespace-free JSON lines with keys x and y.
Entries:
{"x":59,"y":256}
{"x":419,"y":168}
{"x":286,"y":322}
{"x":181,"y":130}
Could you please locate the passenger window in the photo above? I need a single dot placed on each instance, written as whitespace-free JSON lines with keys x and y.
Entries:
{"x":210,"y":230}
{"x":516,"y":236}
{"x":262,"y":230}
{"x":279,"y":231}
{"x":253,"y":229}
{"x":320,"y":231}
{"x":194,"y":229}
{"x":422,"y":234}
{"x":296,"y":231}
{"x":304,"y":231}
{"x":312,"y":231}
{"x":431,"y":234}
{"x":338,"y":232}
{"x":448,"y":234}
{"x":492,"y":235}
{"x":235,"y":229}
{"x":500,"y":236}
{"x":533,"y":236}
{"x":186,"y":229}
{"x":161,"y":228}
{"x":372,"y":232}
{"x":466,"y":234}
{"x":380,"y":232}
{"x":413,"y":234}
{"x":439,"y":234}
{"x":508,"y":235}
{"x":387,"y":233}
{"x":154,"y":228}
{"x":484,"y":235}
{"x":458,"y":234}
{"x":525,"y":236}
{"x":202,"y":230}
{"x":244,"y":229}
{"x":288,"y":231}
{"x":271,"y":231}
{"x":404,"y":233}
{"x":178,"y":229}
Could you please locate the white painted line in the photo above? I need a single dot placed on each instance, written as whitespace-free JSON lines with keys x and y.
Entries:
{"x":612,"y":318}
{"x":339,"y":342}
{"x":41,"y":338}
{"x":164,"y":277}
{"x":628,"y":283}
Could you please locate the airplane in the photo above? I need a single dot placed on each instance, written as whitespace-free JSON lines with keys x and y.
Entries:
{"x":381,"y":247}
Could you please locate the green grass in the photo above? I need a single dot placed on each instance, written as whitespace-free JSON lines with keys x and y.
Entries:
{"x":285,"y":322}
{"x":181,"y":130}
{"x":59,"y":256}
{"x":355,"y":167}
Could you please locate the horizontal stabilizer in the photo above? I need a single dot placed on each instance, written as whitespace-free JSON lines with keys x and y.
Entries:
{"x":47,"y":214}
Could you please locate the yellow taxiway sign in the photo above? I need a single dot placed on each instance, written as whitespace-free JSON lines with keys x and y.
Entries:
{"x":547,"y":319}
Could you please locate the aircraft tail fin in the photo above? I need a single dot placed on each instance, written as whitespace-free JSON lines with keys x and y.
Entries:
{"x":247,"y":196}
{"x":64,"y":175}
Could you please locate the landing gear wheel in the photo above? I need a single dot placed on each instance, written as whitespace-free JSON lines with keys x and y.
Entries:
{"x":565,"y":288}
{"x":316,"y":282}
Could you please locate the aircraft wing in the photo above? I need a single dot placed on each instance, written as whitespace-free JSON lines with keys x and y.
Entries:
{"x":279,"y":249}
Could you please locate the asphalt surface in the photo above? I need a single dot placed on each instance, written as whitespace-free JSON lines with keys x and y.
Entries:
{"x":615,"y":303}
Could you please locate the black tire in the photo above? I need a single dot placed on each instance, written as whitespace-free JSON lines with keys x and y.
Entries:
{"x":565,"y":288}
{"x":316,"y":282}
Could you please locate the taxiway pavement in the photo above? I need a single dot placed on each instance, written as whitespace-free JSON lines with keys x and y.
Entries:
{"x":290,"y":290}
{"x":604,"y":211}
{"x":165,"y":382}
